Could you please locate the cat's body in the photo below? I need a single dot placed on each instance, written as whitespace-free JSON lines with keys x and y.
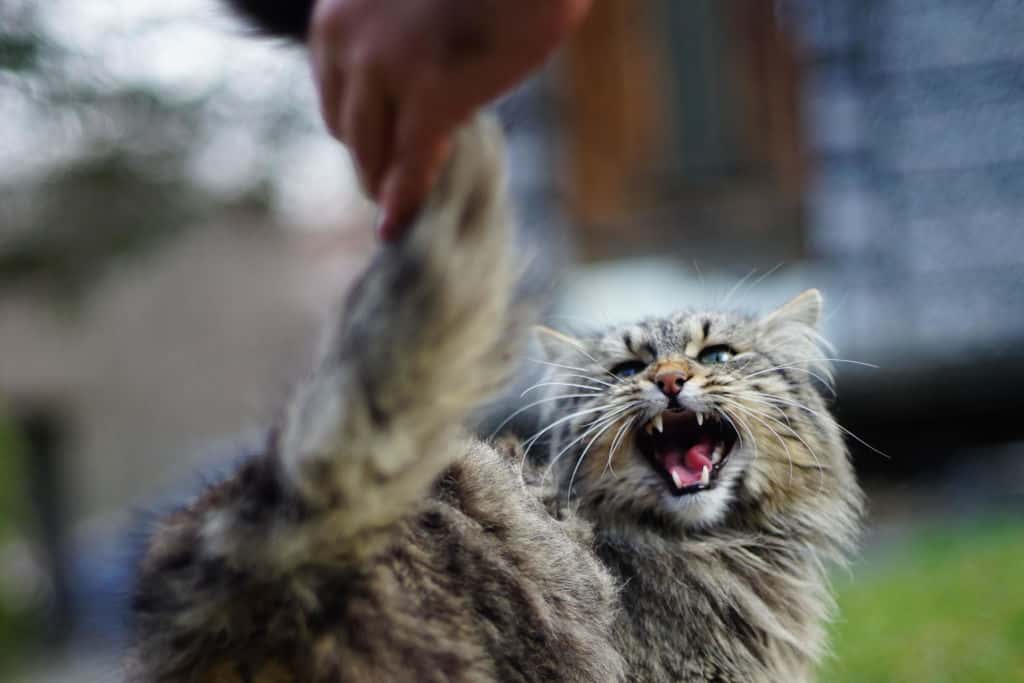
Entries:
{"x":373,"y":540}
{"x":698,"y":488}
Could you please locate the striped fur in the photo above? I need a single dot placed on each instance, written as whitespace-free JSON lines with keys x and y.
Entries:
{"x":374,"y":540}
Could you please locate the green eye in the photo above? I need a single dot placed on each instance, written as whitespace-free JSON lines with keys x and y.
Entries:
{"x":629,"y":368}
{"x":716,"y":354}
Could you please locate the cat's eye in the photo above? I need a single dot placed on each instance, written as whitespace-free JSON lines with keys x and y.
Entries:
{"x":629,"y":368}
{"x":716,"y":354}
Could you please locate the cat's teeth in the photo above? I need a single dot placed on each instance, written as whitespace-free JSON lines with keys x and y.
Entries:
{"x":676,"y":479}
{"x":700,"y":419}
{"x":705,"y":476}
{"x":716,"y":456}
{"x":658,"y":424}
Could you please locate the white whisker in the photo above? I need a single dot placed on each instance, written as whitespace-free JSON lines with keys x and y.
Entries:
{"x":750,"y":413}
{"x":623,"y":430}
{"x":827,"y":381}
{"x":593,"y":425}
{"x":579,"y":461}
{"x":819,"y":466}
{"x":523,"y":409}
{"x":577,"y":349}
{"x":843,"y":429}
{"x":594,"y":390}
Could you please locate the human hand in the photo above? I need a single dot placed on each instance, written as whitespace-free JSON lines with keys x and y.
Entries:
{"x":396,"y":78}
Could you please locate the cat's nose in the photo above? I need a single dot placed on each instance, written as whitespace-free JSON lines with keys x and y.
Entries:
{"x":670,"y":381}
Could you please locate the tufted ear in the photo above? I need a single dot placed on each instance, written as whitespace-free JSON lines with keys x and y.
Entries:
{"x":804,"y":309}
{"x":556,"y":344}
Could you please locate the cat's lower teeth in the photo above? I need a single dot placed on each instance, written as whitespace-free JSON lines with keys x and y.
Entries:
{"x":705,"y":476}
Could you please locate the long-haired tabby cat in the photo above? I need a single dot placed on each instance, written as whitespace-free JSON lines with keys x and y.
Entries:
{"x":697,"y":488}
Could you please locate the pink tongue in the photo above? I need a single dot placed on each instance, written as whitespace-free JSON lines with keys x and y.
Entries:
{"x":699,"y":454}
{"x":687,"y":467}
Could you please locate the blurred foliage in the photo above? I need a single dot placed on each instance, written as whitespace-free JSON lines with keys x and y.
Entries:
{"x":102,"y":171}
{"x":948,"y":608}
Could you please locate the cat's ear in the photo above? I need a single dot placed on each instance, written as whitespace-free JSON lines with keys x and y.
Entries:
{"x":556,"y":344}
{"x":804,"y":309}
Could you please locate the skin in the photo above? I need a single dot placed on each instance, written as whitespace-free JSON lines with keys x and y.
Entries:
{"x":396,"y":79}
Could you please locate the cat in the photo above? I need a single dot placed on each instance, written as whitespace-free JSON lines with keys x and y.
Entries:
{"x":695,"y":491}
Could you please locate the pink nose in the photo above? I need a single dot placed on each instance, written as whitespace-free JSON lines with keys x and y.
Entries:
{"x":670,"y":381}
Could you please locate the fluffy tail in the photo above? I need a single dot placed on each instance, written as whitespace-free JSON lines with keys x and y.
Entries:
{"x":427,"y":333}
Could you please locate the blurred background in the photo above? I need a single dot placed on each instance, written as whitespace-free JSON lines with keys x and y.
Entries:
{"x":175,"y":226}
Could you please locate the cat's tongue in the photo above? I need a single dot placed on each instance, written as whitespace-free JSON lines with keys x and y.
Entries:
{"x":686,"y":468}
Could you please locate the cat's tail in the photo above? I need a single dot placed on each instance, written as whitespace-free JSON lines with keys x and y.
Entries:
{"x":427,"y":334}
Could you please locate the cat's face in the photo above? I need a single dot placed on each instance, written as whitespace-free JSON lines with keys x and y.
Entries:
{"x":679,"y":418}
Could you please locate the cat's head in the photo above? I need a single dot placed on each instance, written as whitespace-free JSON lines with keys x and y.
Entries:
{"x":685,"y":418}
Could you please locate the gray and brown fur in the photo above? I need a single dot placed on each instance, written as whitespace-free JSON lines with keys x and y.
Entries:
{"x":374,"y":540}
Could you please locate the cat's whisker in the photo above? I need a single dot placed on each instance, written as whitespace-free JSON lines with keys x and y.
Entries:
{"x":733,"y":420}
{"x":778,"y":437}
{"x":767,"y":274}
{"x":735,"y":287}
{"x":593,"y":390}
{"x":623,"y":430}
{"x":843,"y":429}
{"x":579,"y":461}
{"x":557,"y":365}
{"x":532,"y":440}
{"x":582,"y":372}
{"x":818,"y":465}
{"x":587,"y":378}
{"x":523,"y":409}
{"x":616,"y":412}
{"x":852,"y":362}
{"x":788,"y":426}
{"x":529,"y":441}
{"x":827,"y":381}
{"x":596,"y":362}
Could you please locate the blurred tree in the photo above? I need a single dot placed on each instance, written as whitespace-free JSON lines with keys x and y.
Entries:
{"x":95,"y":167}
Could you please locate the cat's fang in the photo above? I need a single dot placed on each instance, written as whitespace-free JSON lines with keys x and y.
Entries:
{"x":705,"y":476}
{"x":658,"y":424}
{"x":716,"y":456}
{"x":700,"y":419}
{"x":676,"y":479}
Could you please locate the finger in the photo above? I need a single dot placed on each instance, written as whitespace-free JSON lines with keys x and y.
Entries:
{"x":407,"y":186}
{"x":330,"y":87}
{"x":368,"y":123}
{"x":424,"y":122}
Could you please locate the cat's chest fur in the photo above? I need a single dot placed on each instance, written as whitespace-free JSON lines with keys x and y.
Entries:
{"x":730,"y":608}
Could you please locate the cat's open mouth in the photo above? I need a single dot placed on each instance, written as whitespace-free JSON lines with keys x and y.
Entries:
{"x":688,"y":449}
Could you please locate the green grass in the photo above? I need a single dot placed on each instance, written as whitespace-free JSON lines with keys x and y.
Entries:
{"x":947,"y":607}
